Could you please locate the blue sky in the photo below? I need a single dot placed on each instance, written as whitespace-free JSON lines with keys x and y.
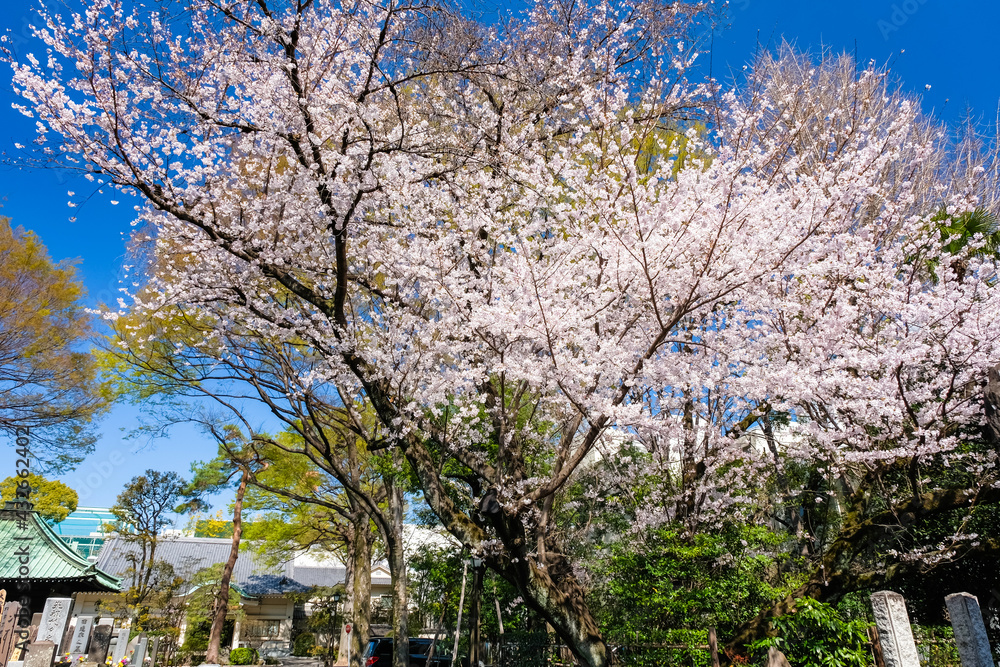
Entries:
{"x":946,"y":45}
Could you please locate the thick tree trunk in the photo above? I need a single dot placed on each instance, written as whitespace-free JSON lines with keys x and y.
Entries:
{"x":361,"y":599}
{"x":475,"y":619}
{"x":554,"y":593}
{"x":549,"y":588}
{"x":397,"y":568}
{"x":221,"y":605}
{"x":345,"y":611}
{"x":991,"y":401}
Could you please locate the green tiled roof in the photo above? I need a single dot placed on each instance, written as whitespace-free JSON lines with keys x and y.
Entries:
{"x":49,"y":558}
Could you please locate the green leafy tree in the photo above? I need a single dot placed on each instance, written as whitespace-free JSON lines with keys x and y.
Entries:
{"x":52,"y":499}
{"x":142,"y":511}
{"x":817,"y":635}
{"x":47,"y":380}
{"x":667,"y":579}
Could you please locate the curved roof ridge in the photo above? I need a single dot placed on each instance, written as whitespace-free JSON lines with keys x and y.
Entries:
{"x":75,"y":566}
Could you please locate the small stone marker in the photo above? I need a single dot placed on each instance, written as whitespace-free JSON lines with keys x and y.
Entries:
{"x":776,"y":658}
{"x":8,"y":630}
{"x":81,"y":635}
{"x":99,"y":643}
{"x":54,"y":617}
{"x":154,"y":648}
{"x":120,"y":647}
{"x":970,"y":632}
{"x":40,"y":654}
{"x":894,"y":633}
{"x":139,"y":654}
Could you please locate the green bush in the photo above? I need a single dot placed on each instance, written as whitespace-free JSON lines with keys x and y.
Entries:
{"x":304,"y":644}
{"x":242,"y":656}
{"x":816,"y":635}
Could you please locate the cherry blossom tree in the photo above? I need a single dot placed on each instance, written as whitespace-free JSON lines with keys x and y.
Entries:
{"x":482,"y":234}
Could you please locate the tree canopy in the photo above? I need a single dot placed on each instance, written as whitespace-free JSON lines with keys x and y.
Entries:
{"x":47,"y":375}
{"x":52,"y":499}
{"x":450,"y":239}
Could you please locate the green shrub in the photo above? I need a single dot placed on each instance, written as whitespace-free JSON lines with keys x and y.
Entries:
{"x":304,"y":644}
{"x":816,"y":635}
{"x":242,"y":656}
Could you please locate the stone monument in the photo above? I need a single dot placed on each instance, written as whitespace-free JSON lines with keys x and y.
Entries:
{"x":81,"y":635}
{"x":139,"y":654}
{"x":99,"y":643}
{"x":40,"y":654}
{"x":121,"y":645}
{"x":54,"y":617}
{"x":970,"y":631}
{"x":894,"y":633}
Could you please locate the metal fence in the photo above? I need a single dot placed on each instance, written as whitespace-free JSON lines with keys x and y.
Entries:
{"x":936,"y":646}
{"x":542,"y":650}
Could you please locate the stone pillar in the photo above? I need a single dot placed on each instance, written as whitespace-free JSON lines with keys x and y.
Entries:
{"x":236,"y":635}
{"x":121,"y":645}
{"x":154,"y":649}
{"x":80,"y":638}
{"x":54,"y":618}
{"x":99,"y":643}
{"x":894,"y":633}
{"x":40,"y":654}
{"x":970,"y":631}
{"x":139,"y":654}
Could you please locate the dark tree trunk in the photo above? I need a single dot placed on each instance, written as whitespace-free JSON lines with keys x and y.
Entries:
{"x":221,"y":605}
{"x":397,"y":567}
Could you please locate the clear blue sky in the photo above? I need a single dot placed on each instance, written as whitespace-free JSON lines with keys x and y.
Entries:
{"x":947,"y":45}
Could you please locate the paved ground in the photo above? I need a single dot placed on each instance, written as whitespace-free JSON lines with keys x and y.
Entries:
{"x":301,"y":662}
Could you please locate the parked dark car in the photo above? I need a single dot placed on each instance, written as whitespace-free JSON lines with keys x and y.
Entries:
{"x":379,"y":652}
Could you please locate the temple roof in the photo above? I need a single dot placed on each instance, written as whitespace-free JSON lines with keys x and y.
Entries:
{"x":49,"y":558}
{"x":252,"y":576}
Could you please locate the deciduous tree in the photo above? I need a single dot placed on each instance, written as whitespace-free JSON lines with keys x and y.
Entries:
{"x":52,"y":499}
{"x":47,"y":375}
{"x":457,"y":228}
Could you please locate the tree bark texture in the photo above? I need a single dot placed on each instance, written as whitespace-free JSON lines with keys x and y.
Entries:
{"x":221,"y":605}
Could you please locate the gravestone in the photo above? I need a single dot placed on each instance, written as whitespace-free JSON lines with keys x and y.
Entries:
{"x":40,"y":654}
{"x":139,"y":654}
{"x":894,"y":633}
{"x":8,"y":630}
{"x":154,"y":648}
{"x":81,"y":635}
{"x":54,"y":618}
{"x":970,"y":631}
{"x":99,"y":643}
{"x":22,"y":637}
{"x":121,"y":645}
